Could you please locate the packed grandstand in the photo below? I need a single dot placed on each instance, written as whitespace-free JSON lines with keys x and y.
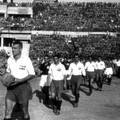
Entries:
{"x":99,"y":18}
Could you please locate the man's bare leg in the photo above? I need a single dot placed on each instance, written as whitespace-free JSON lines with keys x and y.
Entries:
{"x":9,"y":104}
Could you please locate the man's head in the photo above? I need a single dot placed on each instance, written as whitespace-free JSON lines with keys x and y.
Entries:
{"x":76,"y":57}
{"x":56,"y":59}
{"x":16,"y":48}
{"x":99,"y":58}
{"x":90,"y":59}
{"x":46,"y":59}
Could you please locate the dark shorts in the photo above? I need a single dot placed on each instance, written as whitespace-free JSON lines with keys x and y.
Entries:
{"x":57,"y":87}
{"x":91,"y":75}
{"x":76,"y":81}
{"x":20,"y":93}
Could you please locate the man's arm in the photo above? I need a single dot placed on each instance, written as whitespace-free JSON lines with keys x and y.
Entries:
{"x":64,"y":77}
{"x":30,"y":71}
{"x":83,"y":70}
{"x":65,"y":82}
{"x":19,"y":81}
{"x":27,"y":78}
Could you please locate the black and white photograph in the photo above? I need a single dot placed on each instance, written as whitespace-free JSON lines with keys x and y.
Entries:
{"x":59,"y":60}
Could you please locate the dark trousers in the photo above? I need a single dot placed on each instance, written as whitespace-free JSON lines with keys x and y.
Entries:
{"x":118,"y":72}
{"x":90,"y":76}
{"x":45,"y":91}
{"x":99,"y":78}
{"x":56,"y":92}
{"x":76,"y":80}
{"x":68,"y":84}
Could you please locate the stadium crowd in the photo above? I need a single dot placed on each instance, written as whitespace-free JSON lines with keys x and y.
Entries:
{"x":93,"y":45}
{"x":69,"y":17}
{"x":54,"y":56}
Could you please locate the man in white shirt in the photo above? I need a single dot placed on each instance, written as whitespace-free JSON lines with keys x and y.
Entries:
{"x":117,"y":63}
{"x":77,"y":71}
{"x":100,"y":67}
{"x":108,"y":72}
{"x":58,"y":74}
{"x":20,"y":91}
{"x":90,"y":72}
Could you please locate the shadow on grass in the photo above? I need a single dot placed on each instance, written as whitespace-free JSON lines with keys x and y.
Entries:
{"x":42,"y":98}
{"x":39,"y":95}
{"x":85,"y":89}
{"x":68,"y":97}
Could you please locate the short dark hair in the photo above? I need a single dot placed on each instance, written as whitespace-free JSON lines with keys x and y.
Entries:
{"x":18,"y":43}
{"x":76,"y":55}
{"x":57,"y":55}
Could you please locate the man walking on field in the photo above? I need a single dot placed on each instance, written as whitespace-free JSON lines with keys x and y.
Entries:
{"x":77,"y":71}
{"x":57,"y":73}
{"x":20,"y":91}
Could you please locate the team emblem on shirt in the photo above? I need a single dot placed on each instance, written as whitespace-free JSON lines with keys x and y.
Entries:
{"x":59,"y":69}
{"x":21,"y":67}
{"x":79,"y":68}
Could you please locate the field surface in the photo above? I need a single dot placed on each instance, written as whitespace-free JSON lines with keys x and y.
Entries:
{"x":100,"y":105}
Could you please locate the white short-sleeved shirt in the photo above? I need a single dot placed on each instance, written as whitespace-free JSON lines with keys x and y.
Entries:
{"x":77,"y":69}
{"x":57,"y":72}
{"x":20,"y":68}
{"x":90,"y":66}
{"x":108,"y":71}
{"x":100,"y":65}
{"x":118,"y":63}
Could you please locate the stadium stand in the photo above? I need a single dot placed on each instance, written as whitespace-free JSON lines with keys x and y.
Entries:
{"x":69,"y":17}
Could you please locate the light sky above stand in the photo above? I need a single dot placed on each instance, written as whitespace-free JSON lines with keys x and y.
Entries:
{"x":90,"y":0}
{"x":19,"y":1}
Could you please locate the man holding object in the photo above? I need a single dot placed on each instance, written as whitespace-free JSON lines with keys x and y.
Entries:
{"x":21,"y":68}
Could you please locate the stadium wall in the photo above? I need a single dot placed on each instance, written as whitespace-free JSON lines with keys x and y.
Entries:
{"x":20,"y":11}
{"x":3,"y":10}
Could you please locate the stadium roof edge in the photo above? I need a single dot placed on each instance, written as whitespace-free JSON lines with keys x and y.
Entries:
{"x":63,"y":1}
{"x":64,"y":33}
{"x":85,"y":1}
{"x":71,"y":33}
{"x":16,"y":31}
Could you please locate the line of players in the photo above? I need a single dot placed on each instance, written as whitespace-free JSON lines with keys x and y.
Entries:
{"x":59,"y":74}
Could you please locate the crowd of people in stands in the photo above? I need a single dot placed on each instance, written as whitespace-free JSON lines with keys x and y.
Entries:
{"x":78,"y":16}
{"x":92,"y":45}
{"x":72,"y":17}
